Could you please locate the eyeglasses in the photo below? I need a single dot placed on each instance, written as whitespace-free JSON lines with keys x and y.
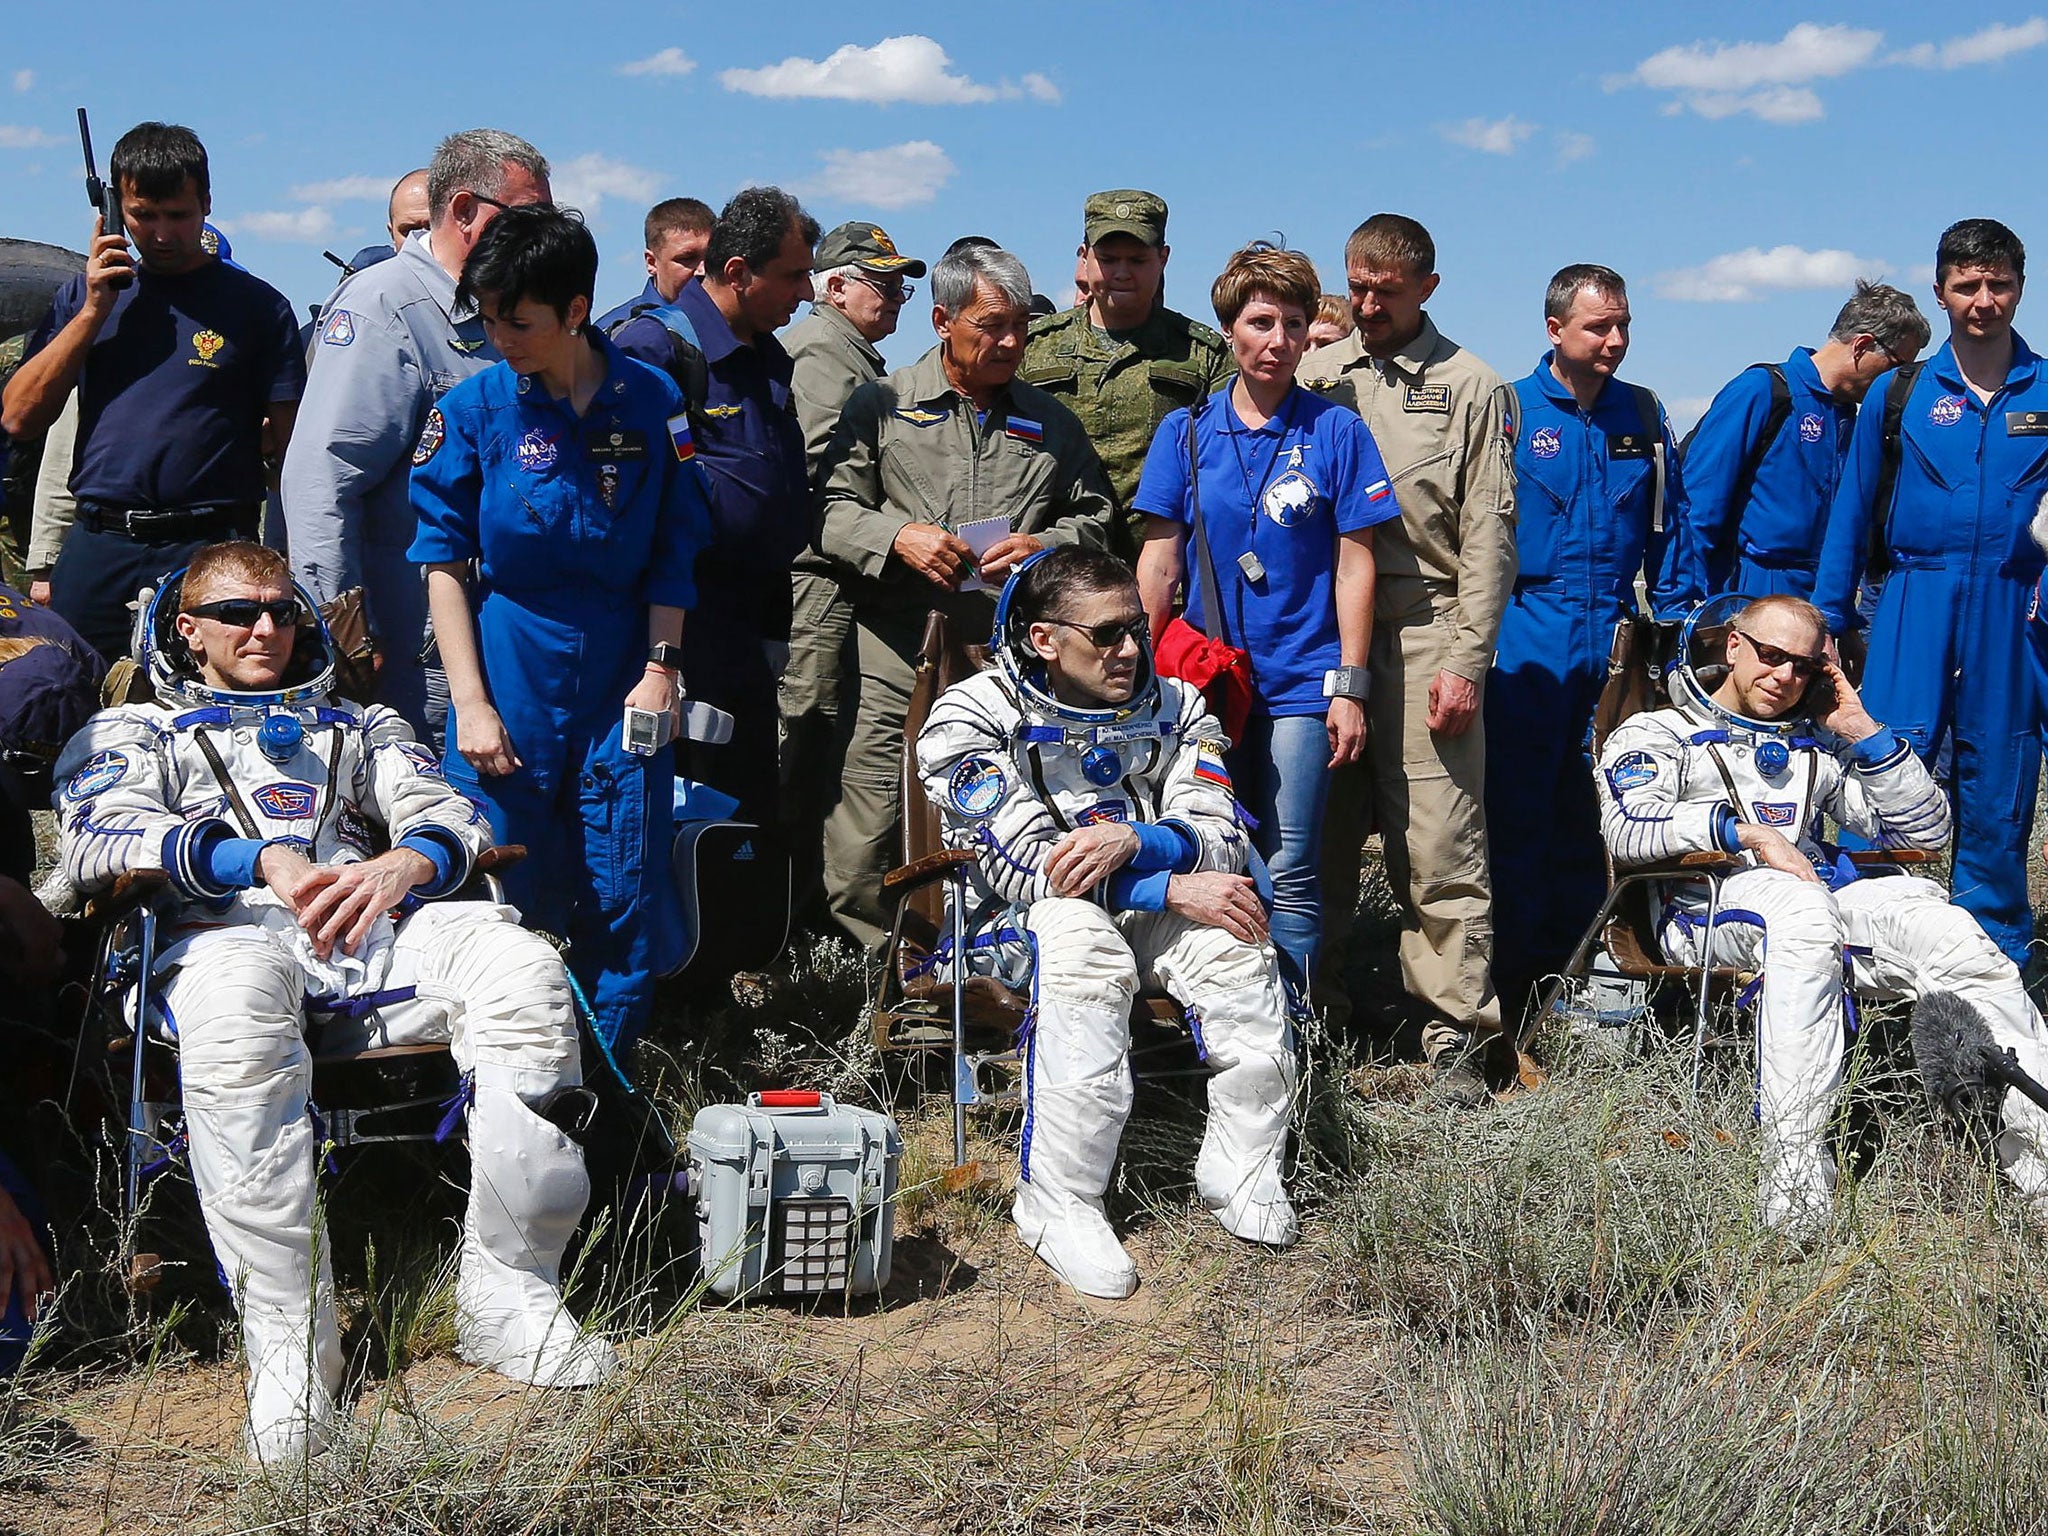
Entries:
{"x":243,"y":612}
{"x":1771,"y":656}
{"x":504,"y":207}
{"x":896,"y":292}
{"x":1111,"y":634}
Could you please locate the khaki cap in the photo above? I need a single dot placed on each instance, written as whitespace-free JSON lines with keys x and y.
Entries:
{"x":860,"y":244}
{"x":1125,"y":212}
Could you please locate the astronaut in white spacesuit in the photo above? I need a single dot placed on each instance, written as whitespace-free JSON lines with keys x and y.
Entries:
{"x":1749,"y":765}
{"x":263,"y":799}
{"x":1096,"y":795}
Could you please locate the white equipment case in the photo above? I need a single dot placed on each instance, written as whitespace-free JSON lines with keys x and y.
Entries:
{"x":796,"y":1195}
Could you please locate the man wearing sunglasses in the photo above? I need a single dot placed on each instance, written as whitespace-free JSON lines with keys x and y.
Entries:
{"x":392,"y":341}
{"x":1754,"y":767}
{"x":862,"y":283}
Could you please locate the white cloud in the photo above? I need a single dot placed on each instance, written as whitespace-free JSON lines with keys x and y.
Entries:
{"x":1742,"y":276}
{"x":588,"y":180}
{"x":1807,"y":52}
{"x":301,"y":226}
{"x":1995,"y":43}
{"x":1501,"y":136}
{"x":1571,"y":146}
{"x":897,"y":177}
{"x":346,"y":189}
{"x":668,"y":64}
{"x":1779,"y":104}
{"x":24,"y":79}
{"x":12,"y":137}
{"x":911,"y":68}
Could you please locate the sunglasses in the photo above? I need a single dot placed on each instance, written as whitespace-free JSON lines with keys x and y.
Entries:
{"x":504,"y":207}
{"x":1111,"y":634}
{"x":1771,"y":656}
{"x":243,"y":612}
{"x":896,"y":292}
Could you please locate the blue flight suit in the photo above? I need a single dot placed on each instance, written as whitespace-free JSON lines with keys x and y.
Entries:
{"x":751,"y":446}
{"x":1584,"y":515}
{"x":580,"y":525}
{"x":1771,"y":541}
{"x":1949,"y":665}
{"x":647,"y":298}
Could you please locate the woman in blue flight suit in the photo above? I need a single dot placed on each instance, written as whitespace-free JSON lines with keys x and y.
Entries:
{"x":564,"y":473}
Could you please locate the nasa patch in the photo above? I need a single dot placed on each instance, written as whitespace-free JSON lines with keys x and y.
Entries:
{"x":285,"y":801}
{"x":536,"y":452}
{"x":1775,"y":813}
{"x":1632,"y":770}
{"x":1946,"y":411}
{"x":97,"y":774}
{"x":1810,"y":428}
{"x":1544,"y":443}
{"x":1291,"y":500}
{"x":1101,"y":810}
{"x":338,"y":330}
{"x":432,"y":435}
{"x":976,"y":787}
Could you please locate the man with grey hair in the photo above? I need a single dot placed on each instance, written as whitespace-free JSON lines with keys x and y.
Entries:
{"x":862,"y":284}
{"x":1762,"y":465}
{"x":391,"y":343}
{"x":932,"y":452}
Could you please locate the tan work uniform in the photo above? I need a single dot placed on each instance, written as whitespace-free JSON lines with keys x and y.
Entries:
{"x":1122,"y":385}
{"x":832,"y":360}
{"x":1445,"y":425}
{"x":909,"y":449}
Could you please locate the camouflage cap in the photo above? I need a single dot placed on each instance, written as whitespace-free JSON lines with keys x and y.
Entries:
{"x":1124,"y":212}
{"x":860,"y":244}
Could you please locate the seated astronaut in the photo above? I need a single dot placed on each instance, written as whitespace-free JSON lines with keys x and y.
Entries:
{"x":1750,"y":766}
{"x":1094,"y":792}
{"x":264,"y":801}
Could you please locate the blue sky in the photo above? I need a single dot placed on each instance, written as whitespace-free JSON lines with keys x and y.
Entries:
{"x":1738,"y":163}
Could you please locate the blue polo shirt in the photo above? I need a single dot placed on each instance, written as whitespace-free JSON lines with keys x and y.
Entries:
{"x":1970,"y":477}
{"x":176,"y":386}
{"x":1771,"y":539}
{"x":1282,"y":494}
{"x":751,"y":449}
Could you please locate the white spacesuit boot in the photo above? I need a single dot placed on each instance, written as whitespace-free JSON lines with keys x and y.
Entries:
{"x":1077,"y":1086}
{"x":245,"y":1077}
{"x":1251,"y":1052}
{"x":527,"y":1191}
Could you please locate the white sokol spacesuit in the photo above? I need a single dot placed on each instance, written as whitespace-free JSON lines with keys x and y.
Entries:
{"x":1674,"y":781}
{"x":1012,"y":770}
{"x":194,"y":785}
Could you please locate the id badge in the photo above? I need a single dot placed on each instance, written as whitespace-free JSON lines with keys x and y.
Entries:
{"x":1250,"y":564}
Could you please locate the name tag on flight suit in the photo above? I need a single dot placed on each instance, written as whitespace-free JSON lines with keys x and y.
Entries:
{"x":1428,"y":397}
{"x":2026,"y":423}
{"x":1630,"y":445}
{"x":618,"y":447}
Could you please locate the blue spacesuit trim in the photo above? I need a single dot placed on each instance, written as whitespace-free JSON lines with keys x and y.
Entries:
{"x":1027,"y":1042}
{"x":989,"y":840}
{"x":1879,"y":750}
{"x":1131,"y":890}
{"x":1724,"y":830}
{"x":446,"y":852}
{"x":1161,"y":845}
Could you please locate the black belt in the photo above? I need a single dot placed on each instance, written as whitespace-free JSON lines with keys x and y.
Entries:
{"x":168,"y":524}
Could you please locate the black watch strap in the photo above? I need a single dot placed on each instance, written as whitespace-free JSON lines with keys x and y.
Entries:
{"x":665,"y":655}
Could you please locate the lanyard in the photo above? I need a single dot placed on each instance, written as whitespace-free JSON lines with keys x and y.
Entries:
{"x":1254,"y":497}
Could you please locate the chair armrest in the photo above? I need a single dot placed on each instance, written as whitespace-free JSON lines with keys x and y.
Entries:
{"x":1702,"y":863}
{"x":128,"y":892}
{"x":499,"y":856}
{"x":1878,"y":858}
{"x":933,"y":866}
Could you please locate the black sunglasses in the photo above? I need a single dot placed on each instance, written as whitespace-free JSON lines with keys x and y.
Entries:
{"x":1109,"y":635}
{"x":243,"y":612}
{"x":507,"y":207}
{"x":1771,"y":656}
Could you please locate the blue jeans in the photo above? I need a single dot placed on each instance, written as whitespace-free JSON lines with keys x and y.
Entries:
{"x":1282,"y":777}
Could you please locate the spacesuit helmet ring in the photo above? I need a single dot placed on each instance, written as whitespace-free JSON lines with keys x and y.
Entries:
{"x":173,"y":671}
{"x":1025,"y":669}
{"x":1699,"y":666}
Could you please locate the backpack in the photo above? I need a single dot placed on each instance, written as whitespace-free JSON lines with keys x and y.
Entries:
{"x":1774,"y":423}
{"x":686,"y":364}
{"x":1878,"y":561}
{"x":1652,"y":417}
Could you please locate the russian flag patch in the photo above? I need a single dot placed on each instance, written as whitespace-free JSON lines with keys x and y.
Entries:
{"x":679,"y":434}
{"x":1024,"y":429}
{"x":1210,"y":770}
{"x":1379,"y":490}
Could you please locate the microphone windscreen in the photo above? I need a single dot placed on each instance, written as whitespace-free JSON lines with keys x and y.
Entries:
{"x":1953,"y":1048}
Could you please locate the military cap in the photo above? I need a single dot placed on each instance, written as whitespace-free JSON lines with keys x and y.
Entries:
{"x":1125,"y":212}
{"x":860,"y":244}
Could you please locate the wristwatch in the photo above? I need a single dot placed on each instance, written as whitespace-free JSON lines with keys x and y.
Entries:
{"x":1347,"y":683}
{"x":665,"y":655}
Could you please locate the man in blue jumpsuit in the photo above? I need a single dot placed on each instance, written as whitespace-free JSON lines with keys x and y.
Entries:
{"x":188,"y":373}
{"x":1599,"y":499}
{"x":757,"y":270}
{"x":1762,"y":466}
{"x":1948,"y":663}
{"x":580,"y":525}
{"x":392,"y":341}
{"x":677,"y":230}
